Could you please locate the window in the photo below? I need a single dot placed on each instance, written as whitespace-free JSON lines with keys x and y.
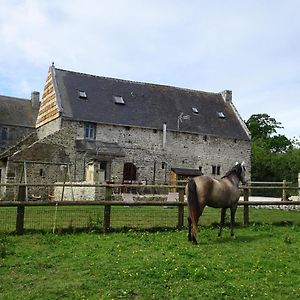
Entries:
{"x":221,"y":115}
{"x":216,"y":170}
{"x":118,"y":100}
{"x":82,"y":94}
{"x":129,"y":172}
{"x":213,"y":170}
{"x":103,"y":168}
{"x":195,"y":110}
{"x":4,"y":134}
{"x":90,"y":130}
{"x":42,"y":172}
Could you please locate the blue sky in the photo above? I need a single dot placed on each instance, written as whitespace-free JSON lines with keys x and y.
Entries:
{"x":250,"y":47}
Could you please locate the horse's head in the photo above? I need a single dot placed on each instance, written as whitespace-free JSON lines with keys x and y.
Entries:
{"x":240,"y":171}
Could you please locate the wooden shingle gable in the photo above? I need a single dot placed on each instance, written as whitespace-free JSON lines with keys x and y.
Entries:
{"x":49,"y":109}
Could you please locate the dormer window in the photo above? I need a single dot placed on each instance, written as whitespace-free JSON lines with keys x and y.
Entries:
{"x":118,"y":100}
{"x":82,"y":94}
{"x":195,"y":110}
{"x":221,"y":115}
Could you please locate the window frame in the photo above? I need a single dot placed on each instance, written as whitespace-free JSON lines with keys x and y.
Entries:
{"x":89,"y":130}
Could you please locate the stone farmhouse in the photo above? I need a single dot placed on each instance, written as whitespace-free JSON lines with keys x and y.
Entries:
{"x":97,"y":129}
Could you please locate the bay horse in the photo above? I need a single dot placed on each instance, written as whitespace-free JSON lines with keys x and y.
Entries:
{"x":204,"y":191}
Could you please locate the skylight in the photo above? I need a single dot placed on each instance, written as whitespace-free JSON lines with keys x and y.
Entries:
{"x":221,"y":115}
{"x":195,"y":110}
{"x":82,"y":94}
{"x":118,"y":99}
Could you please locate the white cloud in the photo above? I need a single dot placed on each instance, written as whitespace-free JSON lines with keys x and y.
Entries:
{"x":251,"y":47}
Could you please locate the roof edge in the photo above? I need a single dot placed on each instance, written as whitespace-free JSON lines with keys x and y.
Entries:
{"x":141,"y":82}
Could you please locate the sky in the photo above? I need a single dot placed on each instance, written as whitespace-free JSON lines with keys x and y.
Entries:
{"x":251,"y":47}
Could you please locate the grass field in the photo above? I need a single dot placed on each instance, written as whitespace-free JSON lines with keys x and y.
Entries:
{"x":261,"y":263}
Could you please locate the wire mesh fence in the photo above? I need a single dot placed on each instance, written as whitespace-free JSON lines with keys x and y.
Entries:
{"x":60,"y":219}
{"x":139,"y":212}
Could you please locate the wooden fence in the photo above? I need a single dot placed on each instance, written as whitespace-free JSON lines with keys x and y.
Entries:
{"x":108,"y":201}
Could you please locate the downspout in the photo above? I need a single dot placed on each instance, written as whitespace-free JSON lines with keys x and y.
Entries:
{"x":164,"y":142}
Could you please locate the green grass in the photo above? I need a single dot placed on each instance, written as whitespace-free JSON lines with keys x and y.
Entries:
{"x":261,"y":263}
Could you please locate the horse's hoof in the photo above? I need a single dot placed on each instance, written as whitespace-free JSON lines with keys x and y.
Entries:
{"x":194,"y":242}
{"x":233,"y":236}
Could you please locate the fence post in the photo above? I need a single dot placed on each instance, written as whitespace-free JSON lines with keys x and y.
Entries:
{"x":299,"y":185}
{"x":107,"y":209}
{"x":180,"y":209}
{"x":20,"y":210}
{"x":284,"y":185}
{"x":246,"y":207}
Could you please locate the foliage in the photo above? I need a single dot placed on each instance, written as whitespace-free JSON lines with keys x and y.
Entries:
{"x":259,"y":264}
{"x":262,"y":126}
{"x":274,"y":156}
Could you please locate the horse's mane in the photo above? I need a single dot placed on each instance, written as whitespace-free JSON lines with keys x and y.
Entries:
{"x":237,"y":169}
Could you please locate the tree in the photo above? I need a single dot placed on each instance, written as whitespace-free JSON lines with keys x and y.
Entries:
{"x":273,"y":157}
{"x":262,"y":126}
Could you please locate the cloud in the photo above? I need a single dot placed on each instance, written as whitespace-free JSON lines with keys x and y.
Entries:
{"x":251,"y":47}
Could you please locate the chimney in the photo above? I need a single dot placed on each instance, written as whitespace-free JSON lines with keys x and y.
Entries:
{"x":227,"y":95}
{"x":164,"y":135}
{"x":35,"y":99}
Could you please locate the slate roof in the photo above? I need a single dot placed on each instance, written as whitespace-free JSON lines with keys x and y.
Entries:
{"x":17,"y":112}
{"x":99,"y":148}
{"x":146,"y":105}
{"x":187,"y":172}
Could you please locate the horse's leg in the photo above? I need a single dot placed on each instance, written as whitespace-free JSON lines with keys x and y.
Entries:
{"x":195,"y":225}
{"x":222,"y":222}
{"x":190,"y":229}
{"x":232,"y":218}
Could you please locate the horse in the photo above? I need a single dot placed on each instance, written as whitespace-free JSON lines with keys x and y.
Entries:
{"x":204,"y":191}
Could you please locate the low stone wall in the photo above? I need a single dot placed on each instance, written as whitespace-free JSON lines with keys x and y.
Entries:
{"x":280,"y":207}
{"x":79,"y":193}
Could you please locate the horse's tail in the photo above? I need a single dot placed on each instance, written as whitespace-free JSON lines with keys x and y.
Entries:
{"x":193,"y":206}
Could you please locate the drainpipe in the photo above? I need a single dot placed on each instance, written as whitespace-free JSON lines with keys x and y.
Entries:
{"x":164,"y":135}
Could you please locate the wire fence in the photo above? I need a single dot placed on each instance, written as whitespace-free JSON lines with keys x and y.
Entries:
{"x":113,"y":214}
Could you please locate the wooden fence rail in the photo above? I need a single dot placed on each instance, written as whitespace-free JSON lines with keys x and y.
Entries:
{"x":108,"y":202}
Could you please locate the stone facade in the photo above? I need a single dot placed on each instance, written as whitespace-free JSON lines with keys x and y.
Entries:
{"x":144,"y":148}
{"x":45,"y":162}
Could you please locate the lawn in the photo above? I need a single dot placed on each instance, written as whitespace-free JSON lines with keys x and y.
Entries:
{"x":261,"y":263}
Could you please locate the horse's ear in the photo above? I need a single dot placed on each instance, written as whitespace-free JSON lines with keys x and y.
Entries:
{"x":236,"y":163}
{"x":243,"y":163}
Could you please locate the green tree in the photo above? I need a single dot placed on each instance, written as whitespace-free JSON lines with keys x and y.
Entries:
{"x":262,"y":126}
{"x":274,"y":157}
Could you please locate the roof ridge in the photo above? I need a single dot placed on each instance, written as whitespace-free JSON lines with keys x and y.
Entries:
{"x":141,"y":83}
{"x":15,"y":98}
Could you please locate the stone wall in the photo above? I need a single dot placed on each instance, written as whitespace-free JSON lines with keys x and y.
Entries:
{"x":49,"y":128}
{"x":44,"y":160}
{"x":144,"y":148}
{"x":78,"y":193}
